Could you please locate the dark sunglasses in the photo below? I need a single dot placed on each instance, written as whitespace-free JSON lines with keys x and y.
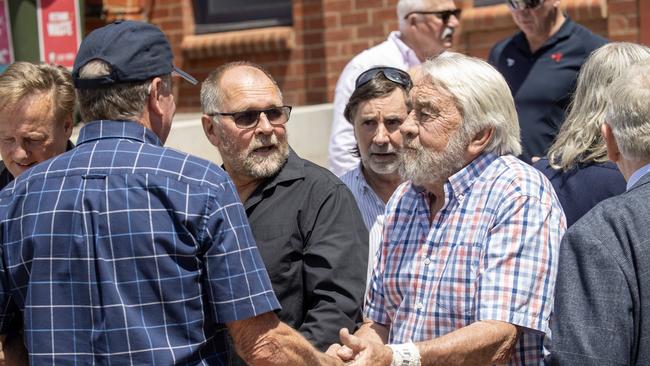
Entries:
{"x":249,"y":119}
{"x":443,"y":15}
{"x":395,"y":75}
{"x":524,"y":4}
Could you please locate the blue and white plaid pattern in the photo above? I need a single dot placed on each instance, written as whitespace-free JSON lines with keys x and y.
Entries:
{"x":490,"y":253}
{"x":124,"y":252}
{"x":369,"y":203}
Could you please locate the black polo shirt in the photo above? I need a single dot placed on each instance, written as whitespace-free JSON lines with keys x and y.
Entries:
{"x":543,"y":82}
{"x":314,"y":243}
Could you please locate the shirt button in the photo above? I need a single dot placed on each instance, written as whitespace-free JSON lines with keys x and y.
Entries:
{"x":461,"y":197}
{"x":419,"y":306}
{"x":427,"y":261}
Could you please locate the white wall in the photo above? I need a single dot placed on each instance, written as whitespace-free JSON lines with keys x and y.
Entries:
{"x":309,"y":131}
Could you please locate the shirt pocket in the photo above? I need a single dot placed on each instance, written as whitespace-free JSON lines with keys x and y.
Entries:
{"x":278,"y":248}
{"x":455,"y":269}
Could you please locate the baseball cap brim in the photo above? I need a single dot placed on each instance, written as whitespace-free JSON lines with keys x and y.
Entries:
{"x":185,"y":76}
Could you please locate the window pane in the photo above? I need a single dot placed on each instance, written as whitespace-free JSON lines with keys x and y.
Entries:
{"x":225,"y":15}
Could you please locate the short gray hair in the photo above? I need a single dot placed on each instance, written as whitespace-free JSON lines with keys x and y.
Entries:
{"x":118,"y":102}
{"x":406,"y":6}
{"x":628,"y":112}
{"x":211,"y":93}
{"x":579,"y":140}
{"x":481,"y":95}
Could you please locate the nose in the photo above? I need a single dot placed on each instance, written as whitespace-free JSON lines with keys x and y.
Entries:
{"x":409,"y":128}
{"x":453,"y":21}
{"x":264,"y":127}
{"x":20,"y":154}
{"x":381,"y":135}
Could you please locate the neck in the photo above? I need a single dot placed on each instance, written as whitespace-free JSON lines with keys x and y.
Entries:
{"x":536,"y":41}
{"x":245,"y":185}
{"x":406,"y":38}
{"x":628,"y":167}
{"x":382,"y":184}
{"x":436,"y":193}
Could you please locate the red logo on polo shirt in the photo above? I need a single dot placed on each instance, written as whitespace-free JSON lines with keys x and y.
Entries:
{"x":556,"y":56}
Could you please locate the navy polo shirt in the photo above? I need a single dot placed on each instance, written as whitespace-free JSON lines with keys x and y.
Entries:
{"x":542,"y":82}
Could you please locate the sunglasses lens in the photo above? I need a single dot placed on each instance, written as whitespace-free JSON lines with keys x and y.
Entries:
{"x":274,"y":114}
{"x":246,"y":119}
{"x":398,"y":77}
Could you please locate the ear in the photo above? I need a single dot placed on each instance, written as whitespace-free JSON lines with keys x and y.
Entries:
{"x":155,"y":95}
{"x":411,"y":20}
{"x":210,"y":130}
{"x":68,"y":124}
{"x":613,"y":153}
{"x":479,"y":142}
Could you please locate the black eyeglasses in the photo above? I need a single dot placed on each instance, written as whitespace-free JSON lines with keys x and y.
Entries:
{"x":249,"y":119}
{"x":395,"y":75}
{"x":524,"y":4}
{"x":443,"y":15}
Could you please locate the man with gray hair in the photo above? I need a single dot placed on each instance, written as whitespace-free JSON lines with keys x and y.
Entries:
{"x":602,"y":310}
{"x":470,"y":242}
{"x":124,"y":252}
{"x":426,"y":28}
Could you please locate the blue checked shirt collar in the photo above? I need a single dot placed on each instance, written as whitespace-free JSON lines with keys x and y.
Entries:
{"x":105,"y":129}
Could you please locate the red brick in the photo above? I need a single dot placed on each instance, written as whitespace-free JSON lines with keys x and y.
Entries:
{"x":355,"y":19}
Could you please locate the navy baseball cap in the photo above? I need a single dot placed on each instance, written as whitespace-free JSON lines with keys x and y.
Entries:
{"x":136,"y":51}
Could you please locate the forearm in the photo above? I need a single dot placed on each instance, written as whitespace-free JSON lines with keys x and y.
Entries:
{"x":264,"y":340}
{"x":481,"y":343}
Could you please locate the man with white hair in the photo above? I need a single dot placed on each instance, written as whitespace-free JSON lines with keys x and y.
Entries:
{"x":601,"y":308}
{"x":426,"y":28}
{"x":470,"y":242}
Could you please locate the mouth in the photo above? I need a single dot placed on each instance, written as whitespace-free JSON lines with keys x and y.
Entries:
{"x":25,"y":166}
{"x":384,"y":156}
{"x":264,"y":150}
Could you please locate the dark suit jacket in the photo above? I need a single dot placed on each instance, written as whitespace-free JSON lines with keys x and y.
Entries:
{"x":602,"y":294}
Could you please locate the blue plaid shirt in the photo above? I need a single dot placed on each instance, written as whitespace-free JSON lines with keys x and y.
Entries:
{"x":122,"y":252}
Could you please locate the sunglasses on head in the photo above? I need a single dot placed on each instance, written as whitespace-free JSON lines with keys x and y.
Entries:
{"x":524,"y":4}
{"x":443,"y":15}
{"x":250,"y":118}
{"x":397,"y":76}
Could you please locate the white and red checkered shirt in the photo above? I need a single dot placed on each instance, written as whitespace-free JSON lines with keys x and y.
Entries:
{"x":490,"y":253}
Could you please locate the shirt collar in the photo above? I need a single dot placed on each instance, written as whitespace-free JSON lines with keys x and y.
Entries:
{"x":566,"y":29}
{"x":409,"y":56}
{"x":465,"y":178}
{"x":637,"y":175}
{"x":105,"y":129}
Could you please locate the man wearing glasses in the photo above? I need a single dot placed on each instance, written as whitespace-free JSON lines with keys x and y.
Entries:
{"x":426,"y":28}
{"x":306,"y":223}
{"x":541,"y":64}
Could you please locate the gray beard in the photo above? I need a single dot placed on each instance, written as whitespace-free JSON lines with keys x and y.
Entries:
{"x":425,"y":167}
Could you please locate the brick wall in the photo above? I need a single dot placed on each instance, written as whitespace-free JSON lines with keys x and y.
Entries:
{"x":306,"y":58}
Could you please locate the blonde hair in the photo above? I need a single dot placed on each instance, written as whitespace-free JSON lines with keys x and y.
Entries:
{"x":579,"y":140}
{"x":22,"y":79}
{"x":482,"y":96}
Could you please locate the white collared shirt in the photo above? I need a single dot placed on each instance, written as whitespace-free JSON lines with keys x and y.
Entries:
{"x":637,"y":175}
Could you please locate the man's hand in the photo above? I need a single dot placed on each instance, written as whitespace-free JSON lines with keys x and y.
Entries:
{"x":362,"y":352}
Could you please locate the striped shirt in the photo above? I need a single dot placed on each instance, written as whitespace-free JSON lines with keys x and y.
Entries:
{"x":490,"y":253}
{"x":372,"y":209}
{"x":124,"y":252}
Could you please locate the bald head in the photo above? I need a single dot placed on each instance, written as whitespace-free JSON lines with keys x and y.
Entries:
{"x":232,"y":78}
